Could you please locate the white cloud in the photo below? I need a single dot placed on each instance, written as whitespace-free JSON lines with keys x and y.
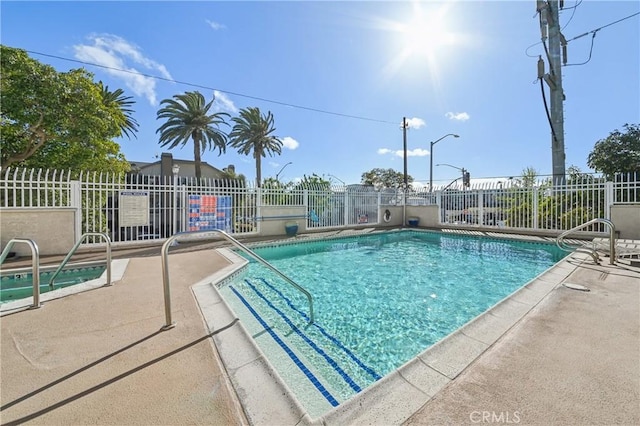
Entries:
{"x":414,"y":123}
{"x":121,"y":57}
{"x":216,"y":25}
{"x":223,"y":103}
{"x":418,"y":152}
{"x":289,"y":142}
{"x":274,"y":164}
{"x":459,"y":116}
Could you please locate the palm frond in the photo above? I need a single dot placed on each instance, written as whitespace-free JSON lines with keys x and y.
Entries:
{"x":116,"y":99}
{"x":187,"y":118}
{"x":252,"y":134}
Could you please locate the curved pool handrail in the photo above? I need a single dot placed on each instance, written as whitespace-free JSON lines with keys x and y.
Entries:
{"x":75,"y":247}
{"x":165,"y":270}
{"x":590,"y":251}
{"x":35,"y":261}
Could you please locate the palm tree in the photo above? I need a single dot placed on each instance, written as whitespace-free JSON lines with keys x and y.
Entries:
{"x":252,"y":133}
{"x":187,"y":118}
{"x":127,"y":124}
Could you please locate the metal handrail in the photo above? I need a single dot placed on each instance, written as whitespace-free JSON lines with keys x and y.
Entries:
{"x":165,"y":271}
{"x":35,"y":261}
{"x":591,"y":251}
{"x":75,"y":247}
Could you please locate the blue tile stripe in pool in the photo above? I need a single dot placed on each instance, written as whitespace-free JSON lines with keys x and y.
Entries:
{"x":310,"y":342}
{"x":333,"y":339}
{"x":289,"y":352}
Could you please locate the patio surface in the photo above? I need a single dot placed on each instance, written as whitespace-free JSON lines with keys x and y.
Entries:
{"x":99,"y":357}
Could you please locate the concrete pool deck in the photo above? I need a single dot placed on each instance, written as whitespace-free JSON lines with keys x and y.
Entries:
{"x":547,"y":355}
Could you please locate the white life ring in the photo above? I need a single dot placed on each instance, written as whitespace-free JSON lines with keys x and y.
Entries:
{"x":386,"y":216}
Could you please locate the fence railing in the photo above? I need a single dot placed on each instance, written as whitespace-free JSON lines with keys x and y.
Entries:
{"x":139,"y":207}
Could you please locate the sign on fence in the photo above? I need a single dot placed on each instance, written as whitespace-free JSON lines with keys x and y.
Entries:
{"x":208,"y":212}
{"x":134,"y":208}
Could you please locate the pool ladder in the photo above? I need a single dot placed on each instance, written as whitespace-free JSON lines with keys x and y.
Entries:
{"x":203,"y":235}
{"x":35,"y":261}
{"x":35,"y":256}
{"x":591,"y":251}
{"x":75,"y":247}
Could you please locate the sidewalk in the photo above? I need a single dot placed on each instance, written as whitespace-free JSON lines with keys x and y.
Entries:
{"x":99,"y":357}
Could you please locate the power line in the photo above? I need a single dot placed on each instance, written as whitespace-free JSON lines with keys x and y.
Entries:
{"x":604,"y":26}
{"x":546,"y":108}
{"x":213,"y":88}
{"x":590,"y":52}
{"x":593,"y":37}
{"x":572,"y":13}
{"x":574,"y":7}
{"x":526,"y":51}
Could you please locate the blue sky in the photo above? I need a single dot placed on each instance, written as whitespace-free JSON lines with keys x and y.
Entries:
{"x":463,"y":67}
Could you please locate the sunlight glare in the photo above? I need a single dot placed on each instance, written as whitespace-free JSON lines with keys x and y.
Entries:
{"x":426,"y":34}
{"x":425,"y":37}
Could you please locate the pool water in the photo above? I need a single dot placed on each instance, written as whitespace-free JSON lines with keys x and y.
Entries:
{"x":379,"y":301}
{"x":19,"y":285}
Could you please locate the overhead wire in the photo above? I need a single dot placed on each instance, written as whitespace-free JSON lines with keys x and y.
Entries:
{"x":546,"y":108}
{"x":572,"y":13}
{"x":526,"y":51}
{"x":590,"y":52}
{"x":593,"y":36}
{"x":604,"y":26}
{"x":578,"y":2}
{"x":200,"y":86}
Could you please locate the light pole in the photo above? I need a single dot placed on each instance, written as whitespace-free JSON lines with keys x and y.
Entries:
{"x":338,"y":179}
{"x":278,"y":174}
{"x":431,"y":158}
{"x":175,"y":169}
{"x":462,"y":170}
{"x":464,"y":198}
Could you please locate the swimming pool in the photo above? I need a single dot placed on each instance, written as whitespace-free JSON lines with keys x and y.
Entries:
{"x":18,"y":284}
{"x":379,"y":301}
{"x":71,"y":281}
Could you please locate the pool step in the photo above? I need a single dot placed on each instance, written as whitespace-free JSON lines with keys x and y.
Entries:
{"x":321,"y":335}
{"x":326,"y":359}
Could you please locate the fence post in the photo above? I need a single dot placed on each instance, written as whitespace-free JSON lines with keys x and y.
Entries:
{"x":480,"y":207}
{"x":75,"y":201}
{"x":534,"y":210}
{"x":184,"y":208}
{"x":608,"y":199}
{"x":258,"y":208}
{"x":346,"y":207}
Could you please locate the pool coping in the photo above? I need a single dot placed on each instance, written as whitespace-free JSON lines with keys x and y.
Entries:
{"x":118,"y":268}
{"x":266,"y":399}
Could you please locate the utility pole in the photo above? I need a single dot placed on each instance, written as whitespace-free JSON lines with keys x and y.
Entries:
{"x":404,"y":140}
{"x":550,"y":19}
{"x":406,"y":178}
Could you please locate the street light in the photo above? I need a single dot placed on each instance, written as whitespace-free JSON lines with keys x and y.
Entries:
{"x":449,"y":165}
{"x":338,"y":179}
{"x":278,"y":174}
{"x":431,"y":158}
{"x":465,"y":173}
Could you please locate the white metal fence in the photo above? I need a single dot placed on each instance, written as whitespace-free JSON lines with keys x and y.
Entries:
{"x":139,"y":207}
{"x":536,"y":205}
{"x":342,"y":206}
